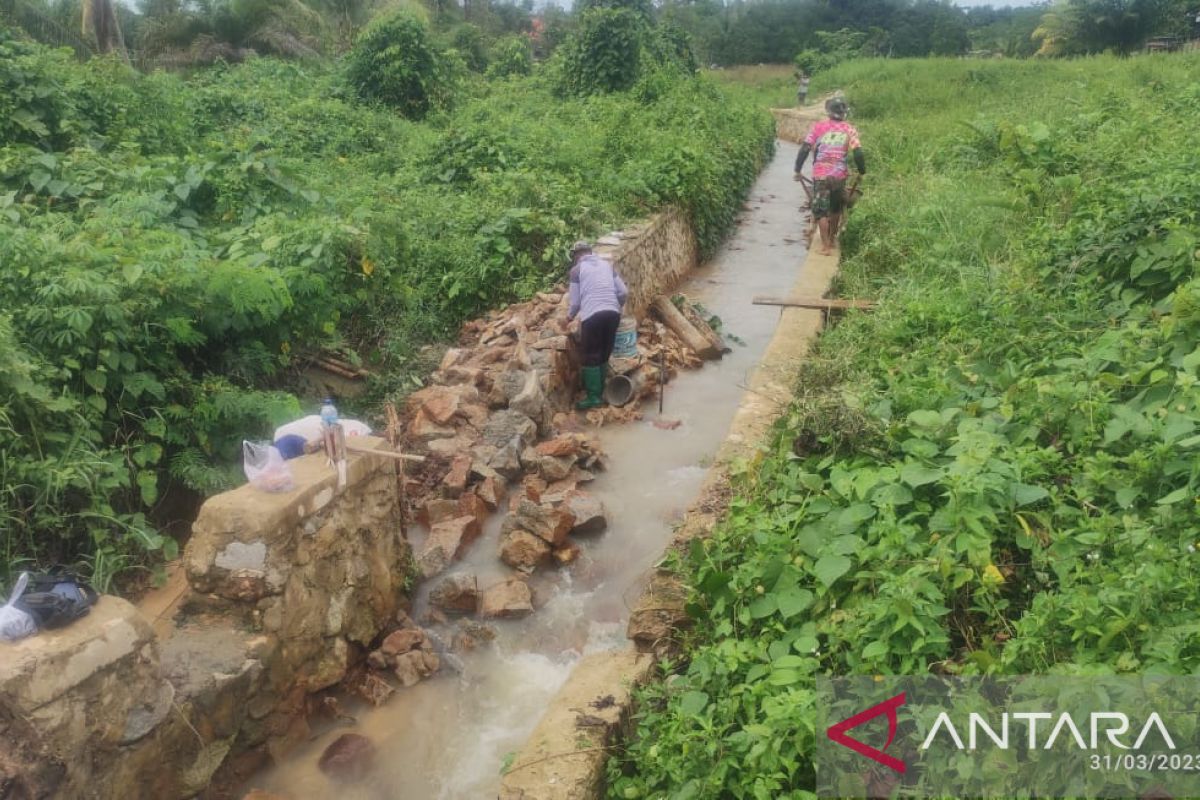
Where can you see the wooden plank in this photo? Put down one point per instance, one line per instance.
(822, 303)
(371, 451)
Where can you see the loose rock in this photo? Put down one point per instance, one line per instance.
(348, 758)
(588, 511)
(437, 510)
(424, 429)
(507, 424)
(567, 554)
(439, 403)
(546, 522)
(456, 594)
(522, 550)
(531, 400)
(507, 460)
(456, 478)
(404, 640)
(470, 505)
(491, 492)
(446, 543)
(510, 599)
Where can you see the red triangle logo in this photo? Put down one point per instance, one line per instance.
(837, 732)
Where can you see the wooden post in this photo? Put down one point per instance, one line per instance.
(393, 436)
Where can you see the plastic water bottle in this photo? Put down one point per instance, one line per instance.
(329, 414)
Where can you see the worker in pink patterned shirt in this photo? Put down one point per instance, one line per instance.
(833, 142)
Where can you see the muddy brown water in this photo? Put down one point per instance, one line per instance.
(448, 737)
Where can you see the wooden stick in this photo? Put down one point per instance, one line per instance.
(822, 303)
(678, 323)
(371, 451)
(393, 437)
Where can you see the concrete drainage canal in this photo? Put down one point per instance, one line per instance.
(448, 737)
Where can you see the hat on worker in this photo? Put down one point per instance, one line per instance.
(580, 246)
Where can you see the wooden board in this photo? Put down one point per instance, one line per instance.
(822, 303)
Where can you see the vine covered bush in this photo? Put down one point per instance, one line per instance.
(172, 251)
(393, 62)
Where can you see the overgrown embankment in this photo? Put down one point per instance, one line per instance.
(995, 472)
(172, 249)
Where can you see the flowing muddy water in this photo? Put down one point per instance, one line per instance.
(447, 738)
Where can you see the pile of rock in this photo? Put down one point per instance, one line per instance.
(495, 423)
(407, 652)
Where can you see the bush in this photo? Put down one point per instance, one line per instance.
(172, 251)
(511, 56)
(605, 54)
(394, 63)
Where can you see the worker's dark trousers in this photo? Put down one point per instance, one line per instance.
(597, 334)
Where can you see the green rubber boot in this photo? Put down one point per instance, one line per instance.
(593, 385)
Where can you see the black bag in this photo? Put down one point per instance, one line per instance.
(56, 598)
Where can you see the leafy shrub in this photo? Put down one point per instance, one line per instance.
(394, 63)
(511, 56)
(605, 54)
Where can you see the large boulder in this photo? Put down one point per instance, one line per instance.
(456, 594)
(446, 543)
(546, 522)
(509, 599)
(504, 425)
(522, 550)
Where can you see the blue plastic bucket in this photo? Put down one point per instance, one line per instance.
(625, 345)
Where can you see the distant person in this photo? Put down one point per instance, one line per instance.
(832, 142)
(596, 295)
(802, 90)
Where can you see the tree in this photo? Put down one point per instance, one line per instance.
(100, 25)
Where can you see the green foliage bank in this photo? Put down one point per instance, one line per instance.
(171, 250)
(996, 472)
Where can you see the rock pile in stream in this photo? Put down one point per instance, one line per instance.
(495, 422)
(497, 431)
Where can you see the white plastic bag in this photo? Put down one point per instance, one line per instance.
(15, 623)
(266, 468)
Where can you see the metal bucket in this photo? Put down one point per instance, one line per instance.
(625, 344)
(620, 389)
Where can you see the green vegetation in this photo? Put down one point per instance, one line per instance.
(996, 472)
(172, 249)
